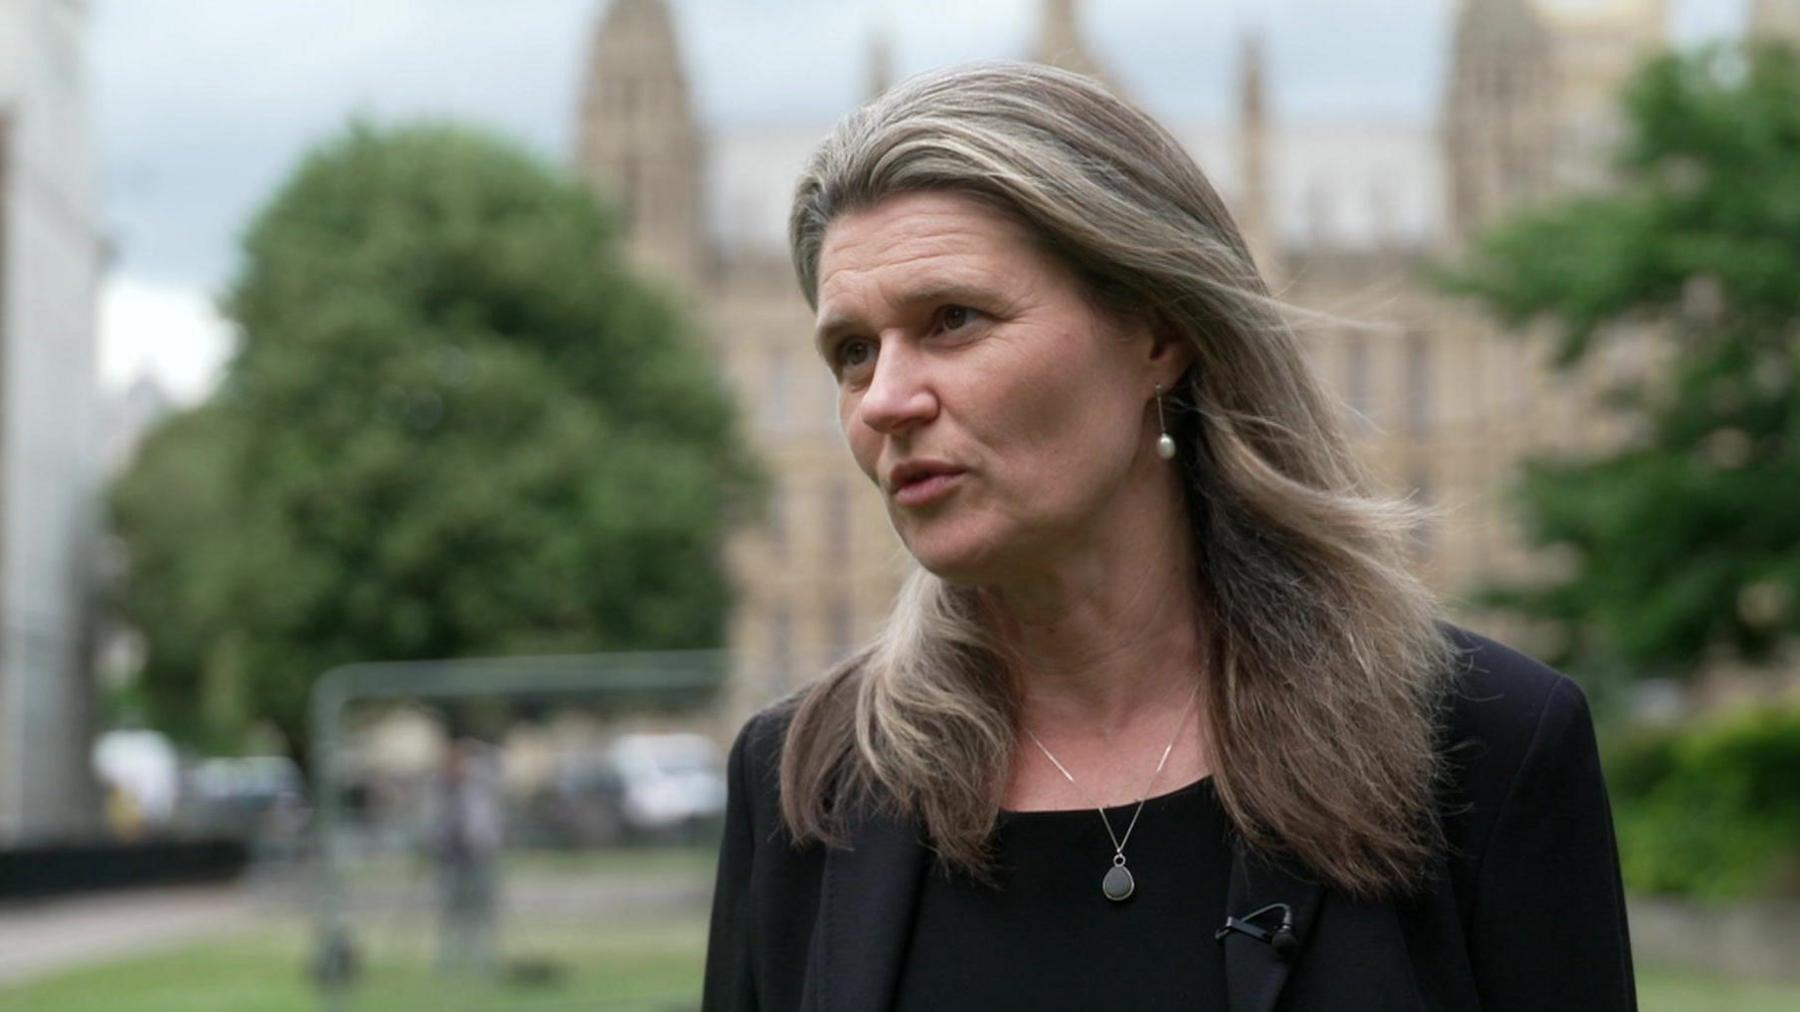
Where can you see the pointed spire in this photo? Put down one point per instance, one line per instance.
(1498, 122)
(1253, 213)
(1594, 48)
(881, 63)
(638, 144)
(1059, 41)
(1775, 19)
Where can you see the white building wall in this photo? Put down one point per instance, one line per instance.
(48, 477)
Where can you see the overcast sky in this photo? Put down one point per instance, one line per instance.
(203, 106)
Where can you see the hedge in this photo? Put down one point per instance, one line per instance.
(1711, 810)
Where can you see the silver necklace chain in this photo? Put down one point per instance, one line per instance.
(1118, 841)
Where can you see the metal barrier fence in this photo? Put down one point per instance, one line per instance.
(529, 833)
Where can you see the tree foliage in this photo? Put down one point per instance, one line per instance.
(455, 425)
(1685, 540)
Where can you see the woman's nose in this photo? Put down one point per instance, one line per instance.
(897, 397)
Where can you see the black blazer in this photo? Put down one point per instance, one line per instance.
(1527, 910)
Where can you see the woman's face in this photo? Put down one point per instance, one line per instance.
(1007, 422)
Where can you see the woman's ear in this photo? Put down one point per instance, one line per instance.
(1172, 355)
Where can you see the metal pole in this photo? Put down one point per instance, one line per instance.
(334, 962)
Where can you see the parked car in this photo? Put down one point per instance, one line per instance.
(240, 796)
(644, 787)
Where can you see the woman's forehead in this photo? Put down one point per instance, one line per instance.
(931, 238)
(931, 218)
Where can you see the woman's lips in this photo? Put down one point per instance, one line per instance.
(927, 490)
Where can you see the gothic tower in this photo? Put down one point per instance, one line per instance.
(1254, 216)
(881, 65)
(1598, 46)
(1775, 19)
(1498, 128)
(638, 142)
(1059, 42)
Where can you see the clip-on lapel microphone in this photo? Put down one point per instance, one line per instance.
(1281, 939)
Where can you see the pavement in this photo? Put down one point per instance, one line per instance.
(44, 937)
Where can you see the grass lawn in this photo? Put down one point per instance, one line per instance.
(636, 864)
(639, 962)
(648, 961)
(650, 965)
(675, 861)
(1663, 989)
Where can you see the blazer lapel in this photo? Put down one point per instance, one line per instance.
(866, 903)
(1254, 973)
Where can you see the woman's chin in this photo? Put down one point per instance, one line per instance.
(954, 560)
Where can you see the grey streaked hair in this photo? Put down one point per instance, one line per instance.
(1326, 662)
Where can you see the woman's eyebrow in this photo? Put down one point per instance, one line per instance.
(926, 294)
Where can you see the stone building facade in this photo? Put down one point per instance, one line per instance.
(50, 260)
(1340, 213)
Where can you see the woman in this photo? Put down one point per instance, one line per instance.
(1161, 720)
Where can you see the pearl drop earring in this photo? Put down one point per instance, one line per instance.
(1165, 443)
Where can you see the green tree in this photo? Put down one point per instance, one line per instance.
(455, 425)
(1685, 540)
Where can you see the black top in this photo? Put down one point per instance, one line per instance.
(1048, 916)
(1523, 908)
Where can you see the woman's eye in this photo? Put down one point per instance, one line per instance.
(956, 317)
(854, 354)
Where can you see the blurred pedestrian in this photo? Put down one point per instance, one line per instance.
(467, 839)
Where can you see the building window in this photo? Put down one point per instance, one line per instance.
(837, 516)
(843, 625)
(1425, 534)
(781, 647)
(628, 194)
(829, 420)
(778, 519)
(1357, 390)
(776, 395)
(1418, 383)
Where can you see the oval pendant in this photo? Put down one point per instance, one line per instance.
(1118, 884)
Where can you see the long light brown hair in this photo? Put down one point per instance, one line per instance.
(1325, 661)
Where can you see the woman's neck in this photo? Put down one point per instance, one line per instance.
(1105, 637)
